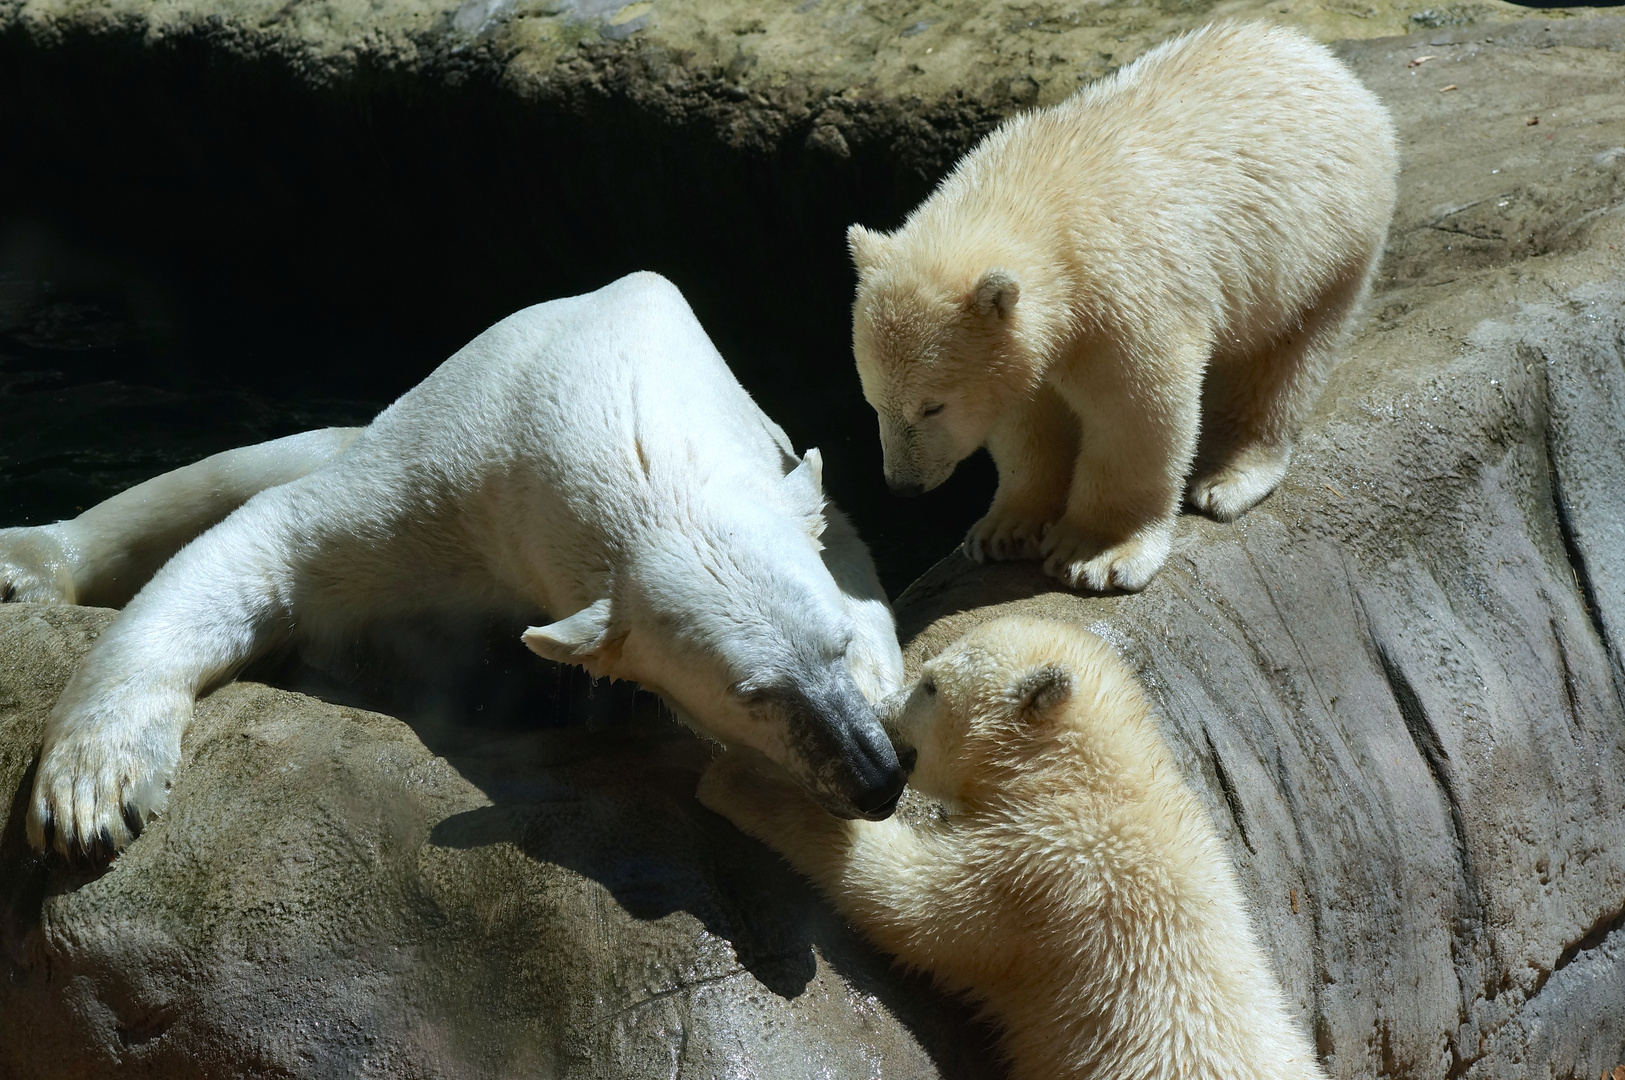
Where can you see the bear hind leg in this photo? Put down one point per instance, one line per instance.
(105, 555)
(1253, 405)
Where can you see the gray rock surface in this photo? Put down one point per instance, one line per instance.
(1399, 683)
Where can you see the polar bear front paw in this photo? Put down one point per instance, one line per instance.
(102, 777)
(35, 567)
(1233, 489)
(1005, 535)
(1077, 559)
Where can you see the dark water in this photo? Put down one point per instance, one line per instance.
(87, 408)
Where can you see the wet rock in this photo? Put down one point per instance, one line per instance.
(335, 893)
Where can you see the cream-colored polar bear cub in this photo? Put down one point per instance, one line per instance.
(1215, 209)
(1076, 887)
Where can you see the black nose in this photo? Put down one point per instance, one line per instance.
(878, 801)
(907, 491)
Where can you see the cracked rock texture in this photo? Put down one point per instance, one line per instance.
(1399, 683)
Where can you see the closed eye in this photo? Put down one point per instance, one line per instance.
(931, 410)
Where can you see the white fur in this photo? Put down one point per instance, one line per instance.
(1077, 889)
(1213, 212)
(591, 459)
(104, 556)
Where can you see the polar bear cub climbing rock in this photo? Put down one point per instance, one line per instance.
(1071, 846)
(589, 459)
(1178, 247)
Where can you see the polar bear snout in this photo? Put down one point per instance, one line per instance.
(914, 460)
(841, 754)
(877, 775)
(910, 476)
(879, 797)
(907, 758)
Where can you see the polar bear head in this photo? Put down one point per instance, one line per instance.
(942, 352)
(1016, 705)
(735, 620)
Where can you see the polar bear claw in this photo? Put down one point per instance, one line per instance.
(1232, 490)
(104, 773)
(1002, 536)
(1075, 558)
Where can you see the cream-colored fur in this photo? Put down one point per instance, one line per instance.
(1213, 212)
(1076, 887)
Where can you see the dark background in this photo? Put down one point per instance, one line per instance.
(198, 253)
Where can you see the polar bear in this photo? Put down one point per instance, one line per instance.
(589, 459)
(1075, 887)
(1213, 211)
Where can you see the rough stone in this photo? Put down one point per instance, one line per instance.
(930, 75)
(1398, 683)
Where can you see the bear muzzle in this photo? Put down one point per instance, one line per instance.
(846, 759)
(875, 777)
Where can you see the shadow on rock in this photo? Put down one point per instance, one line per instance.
(592, 776)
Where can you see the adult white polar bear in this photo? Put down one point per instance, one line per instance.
(591, 458)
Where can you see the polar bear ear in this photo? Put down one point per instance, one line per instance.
(810, 472)
(583, 638)
(1039, 692)
(996, 293)
(807, 482)
(864, 244)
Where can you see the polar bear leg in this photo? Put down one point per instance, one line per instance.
(113, 741)
(311, 563)
(1138, 419)
(1256, 403)
(896, 882)
(105, 555)
(1034, 447)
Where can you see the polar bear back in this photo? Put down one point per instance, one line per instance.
(560, 438)
(1244, 162)
(578, 388)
